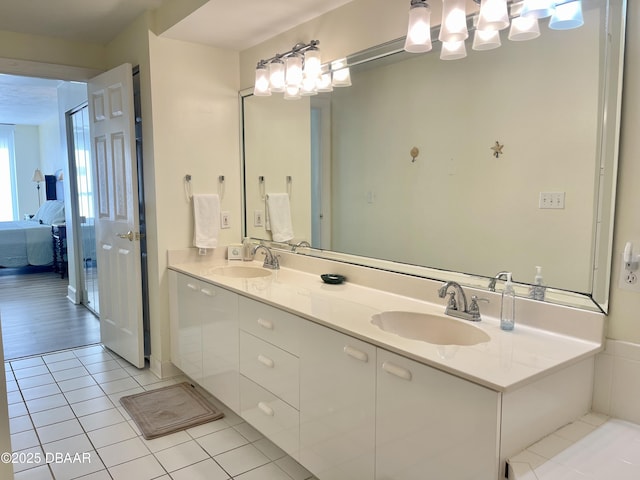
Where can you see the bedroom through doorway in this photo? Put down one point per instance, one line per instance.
(38, 309)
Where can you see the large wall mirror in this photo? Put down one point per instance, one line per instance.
(459, 209)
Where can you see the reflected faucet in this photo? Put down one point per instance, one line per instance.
(270, 260)
(499, 276)
(470, 312)
(302, 243)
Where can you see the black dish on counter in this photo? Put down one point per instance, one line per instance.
(333, 278)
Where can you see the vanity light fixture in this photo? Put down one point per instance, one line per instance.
(494, 15)
(299, 72)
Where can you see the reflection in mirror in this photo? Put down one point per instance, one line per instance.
(516, 163)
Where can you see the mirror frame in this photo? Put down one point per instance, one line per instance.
(609, 135)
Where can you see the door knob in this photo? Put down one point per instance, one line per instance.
(131, 236)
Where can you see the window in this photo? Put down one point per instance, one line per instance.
(8, 199)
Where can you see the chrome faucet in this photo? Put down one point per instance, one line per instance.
(270, 260)
(499, 276)
(464, 311)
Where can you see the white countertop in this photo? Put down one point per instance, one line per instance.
(508, 361)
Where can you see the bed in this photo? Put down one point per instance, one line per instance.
(28, 242)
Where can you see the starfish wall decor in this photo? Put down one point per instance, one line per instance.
(497, 149)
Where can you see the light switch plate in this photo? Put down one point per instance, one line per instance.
(551, 200)
(258, 218)
(225, 220)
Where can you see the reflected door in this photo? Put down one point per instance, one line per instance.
(80, 149)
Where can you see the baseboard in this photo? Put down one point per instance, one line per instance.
(163, 369)
(72, 295)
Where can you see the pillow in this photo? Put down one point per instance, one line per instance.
(51, 211)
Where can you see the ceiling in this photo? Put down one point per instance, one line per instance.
(230, 24)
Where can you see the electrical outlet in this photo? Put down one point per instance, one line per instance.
(258, 218)
(551, 200)
(628, 279)
(225, 220)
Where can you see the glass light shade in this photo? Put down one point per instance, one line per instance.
(312, 63)
(292, 92)
(276, 76)
(309, 86)
(486, 40)
(453, 50)
(454, 21)
(293, 67)
(419, 30)
(494, 15)
(567, 16)
(524, 28)
(324, 83)
(261, 85)
(341, 74)
(537, 8)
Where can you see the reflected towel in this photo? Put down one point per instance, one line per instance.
(278, 219)
(206, 215)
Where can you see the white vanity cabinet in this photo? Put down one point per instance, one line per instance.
(430, 424)
(269, 368)
(204, 340)
(337, 404)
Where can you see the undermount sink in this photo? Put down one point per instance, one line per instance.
(429, 328)
(241, 272)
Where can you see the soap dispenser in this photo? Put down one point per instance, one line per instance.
(247, 249)
(537, 290)
(508, 307)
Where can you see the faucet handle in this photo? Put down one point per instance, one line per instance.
(474, 308)
(451, 303)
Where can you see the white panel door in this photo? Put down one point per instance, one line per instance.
(117, 220)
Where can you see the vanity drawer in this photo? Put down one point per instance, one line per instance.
(275, 419)
(270, 367)
(270, 324)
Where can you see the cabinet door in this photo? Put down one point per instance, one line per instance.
(220, 344)
(337, 409)
(430, 424)
(189, 323)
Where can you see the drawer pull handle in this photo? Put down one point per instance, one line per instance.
(266, 409)
(268, 324)
(192, 286)
(266, 361)
(355, 353)
(207, 292)
(397, 371)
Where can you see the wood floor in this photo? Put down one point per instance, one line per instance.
(38, 318)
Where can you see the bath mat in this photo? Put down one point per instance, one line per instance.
(169, 409)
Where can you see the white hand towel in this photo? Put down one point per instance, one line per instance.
(278, 219)
(206, 215)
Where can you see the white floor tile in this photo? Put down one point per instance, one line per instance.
(58, 357)
(293, 468)
(118, 386)
(97, 357)
(31, 371)
(54, 415)
(26, 363)
(62, 375)
(17, 409)
(46, 403)
(241, 460)
(72, 445)
(34, 453)
(99, 475)
(12, 386)
(181, 456)
(92, 405)
(24, 440)
(87, 351)
(207, 428)
(110, 375)
(41, 391)
(167, 441)
(147, 378)
(269, 448)
(82, 394)
(58, 431)
(111, 434)
(248, 432)
(205, 470)
(64, 365)
(76, 383)
(89, 462)
(102, 366)
(222, 441)
(270, 471)
(123, 452)
(38, 473)
(101, 419)
(36, 381)
(143, 468)
(20, 424)
(14, 397)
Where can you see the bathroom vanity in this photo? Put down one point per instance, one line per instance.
(303, 363)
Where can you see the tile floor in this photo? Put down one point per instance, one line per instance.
(594, 447)
(64, 410)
